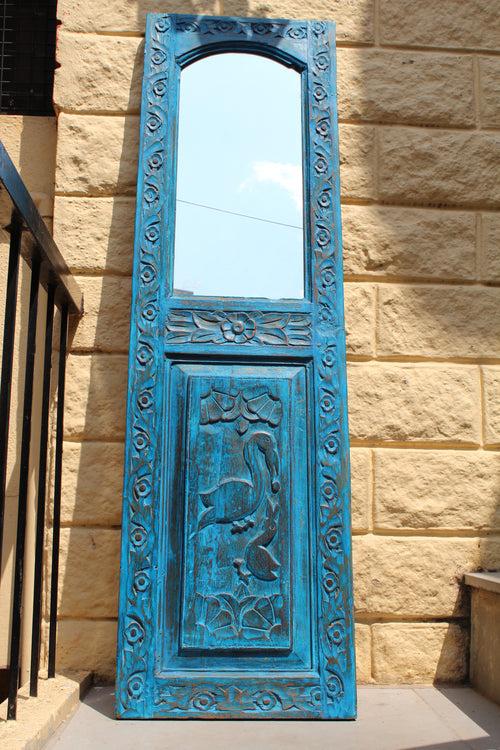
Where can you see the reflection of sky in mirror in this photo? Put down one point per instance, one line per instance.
(240, 152)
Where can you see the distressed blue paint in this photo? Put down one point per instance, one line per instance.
(268, 630)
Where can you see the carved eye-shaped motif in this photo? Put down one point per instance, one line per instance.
(142, 487)
(145, 400)
(336, 632)
(297, 32)
(315, 696)
(318, 28)
(328, 491)
(323, 127)
(329, 357)
(155, 161)
(144, 355)
(333, 537)
(321, 165)
(328, 274)
(158, 57)
(162, 25)
(334, 687)
(150, 312)
(327, 402)
(153, 122)
(331, 443)
(152, 232)
(322, 61)
(262, 28)
(134, 632)
(330, 582)
(135, 685)
(151, 194)
(319, 92)
(265, 700)
(138, 536)
(203, 700)
(148, 273)
(141, 580)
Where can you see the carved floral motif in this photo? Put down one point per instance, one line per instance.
(249, 617)
(184, 697)
(220, 327)
(217, 406)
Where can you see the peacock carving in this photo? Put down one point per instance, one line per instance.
(234, 500)
(259, 561)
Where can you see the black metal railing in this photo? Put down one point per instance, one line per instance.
(48, 269)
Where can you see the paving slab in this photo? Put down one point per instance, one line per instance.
(398, 718)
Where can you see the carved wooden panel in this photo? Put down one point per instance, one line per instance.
(243, 491)
(236, 552)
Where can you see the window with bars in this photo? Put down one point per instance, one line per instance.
(27, 56)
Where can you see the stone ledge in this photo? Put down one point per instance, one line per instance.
(38, 718)
(484, 581)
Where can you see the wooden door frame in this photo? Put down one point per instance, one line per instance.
(173, 41)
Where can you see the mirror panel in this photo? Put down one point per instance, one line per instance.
(239, 205)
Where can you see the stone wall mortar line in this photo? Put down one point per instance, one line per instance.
(357, 123)
(341, 44)
(400, 532)
(469, 51)
(453, 281)
(345, 201)
(416, 444)
(367, 618)
(134, 112)
(433, 532)
(356, 359)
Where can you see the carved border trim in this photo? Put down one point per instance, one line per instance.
(251, 28)
(332, 461)
(136, 622)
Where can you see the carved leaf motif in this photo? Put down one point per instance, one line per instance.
(273, 336)
(274, 319)
(217, 406)
(202, 319)
(266, 408)
(204, 337)
(224, 615)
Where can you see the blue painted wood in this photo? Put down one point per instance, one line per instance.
(235, 591)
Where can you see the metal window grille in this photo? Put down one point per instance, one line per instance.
(27, 56)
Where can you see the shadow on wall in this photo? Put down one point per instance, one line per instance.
(427, 320)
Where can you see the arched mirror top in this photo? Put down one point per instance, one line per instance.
(239, 197)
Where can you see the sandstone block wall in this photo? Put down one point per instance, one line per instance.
(420, 149)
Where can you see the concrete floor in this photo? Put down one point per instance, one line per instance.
(389, 719)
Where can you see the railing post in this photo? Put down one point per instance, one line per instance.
(56, 524)
(15, 638)
(7, 358)
(42, 488)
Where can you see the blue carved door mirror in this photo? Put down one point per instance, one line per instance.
(235, 592)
